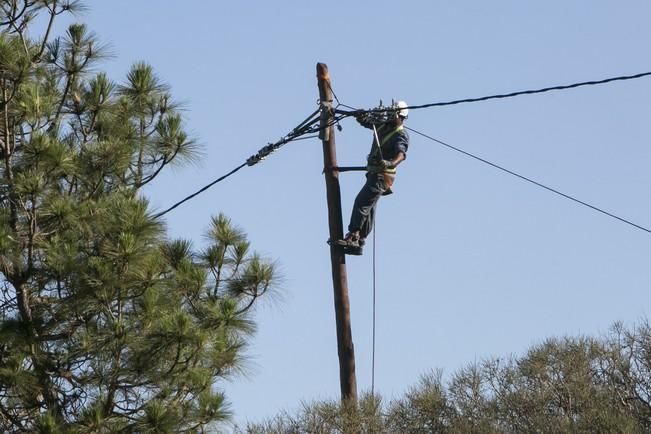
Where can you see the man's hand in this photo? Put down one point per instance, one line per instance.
(363, 118)
(386, 164)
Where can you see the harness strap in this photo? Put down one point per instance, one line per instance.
(386, 138)
(377, 169)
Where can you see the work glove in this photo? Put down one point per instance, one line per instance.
(363, 118)
(386, 164)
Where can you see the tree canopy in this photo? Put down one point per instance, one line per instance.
(566, 385)
(106, 325)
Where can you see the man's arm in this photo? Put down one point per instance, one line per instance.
(390, 164)
(364, 120)
(401, 146)
(399, 159)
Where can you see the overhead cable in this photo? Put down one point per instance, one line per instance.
(301, 132)
(198, 192)
(536, 183)
(507, 95)
(308, 127)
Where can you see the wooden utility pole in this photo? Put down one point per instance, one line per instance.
(345, 347)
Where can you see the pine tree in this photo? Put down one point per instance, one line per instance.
(106, 325)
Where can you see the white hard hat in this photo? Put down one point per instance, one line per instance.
(403, 111)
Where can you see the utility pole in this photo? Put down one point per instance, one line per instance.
(345, 346)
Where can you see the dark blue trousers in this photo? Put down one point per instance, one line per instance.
(363, 215)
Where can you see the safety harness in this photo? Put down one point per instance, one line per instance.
(372, 166)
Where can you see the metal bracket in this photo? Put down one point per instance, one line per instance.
(324, 117)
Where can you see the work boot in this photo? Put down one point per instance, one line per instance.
(354, 250)
(351, 240)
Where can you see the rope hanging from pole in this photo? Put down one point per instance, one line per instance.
(373, 350)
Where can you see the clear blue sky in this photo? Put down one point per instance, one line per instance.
(471, 262)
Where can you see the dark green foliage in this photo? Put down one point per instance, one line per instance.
(326, 417)
(570, 385)
(425, 407)
(105, 326)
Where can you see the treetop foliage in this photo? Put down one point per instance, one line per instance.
(566, 385)
(106, 324)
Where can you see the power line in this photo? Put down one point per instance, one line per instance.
(510, 172)
(305, 130)
(308, 127)
(301, 132)
(506, 95)
(201, 190)
(534, 91)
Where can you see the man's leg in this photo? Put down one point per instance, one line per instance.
(361, 219)
(362, 216)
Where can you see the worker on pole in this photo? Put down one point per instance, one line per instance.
(389, 149)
